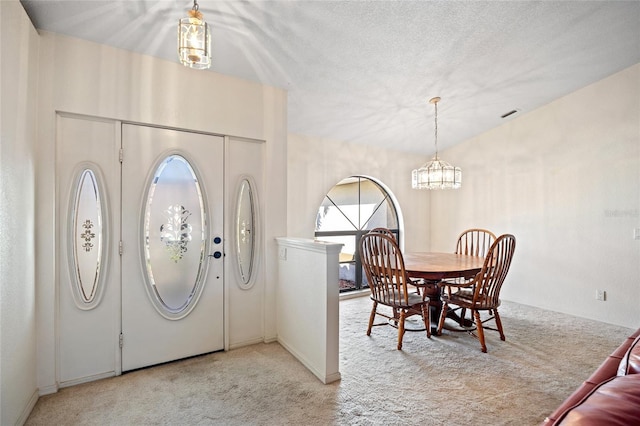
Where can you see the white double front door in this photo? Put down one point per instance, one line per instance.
(141, 246)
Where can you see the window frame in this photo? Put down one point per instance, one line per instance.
(359, 231)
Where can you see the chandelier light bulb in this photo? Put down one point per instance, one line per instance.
(194, 40)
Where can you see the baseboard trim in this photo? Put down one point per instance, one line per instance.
(87, 379)
(48, 390)
(270, 339)
(333, 378)
(28, 408)
(323, 376)
(246, 343)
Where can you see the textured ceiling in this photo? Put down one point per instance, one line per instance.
(363, 71)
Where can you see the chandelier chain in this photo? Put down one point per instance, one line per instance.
(436, 129)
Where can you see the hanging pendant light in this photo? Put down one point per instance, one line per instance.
(436, 174)
(194, 40)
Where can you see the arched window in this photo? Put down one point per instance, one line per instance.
(352, 208)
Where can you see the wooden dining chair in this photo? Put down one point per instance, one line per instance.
(383, 264)
(471, 242)
(418, 284)
(385, 231)
(484, 295)
(475, 242)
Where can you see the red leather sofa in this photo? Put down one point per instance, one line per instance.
(611, 396)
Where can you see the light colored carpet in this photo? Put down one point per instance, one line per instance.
(445, 380)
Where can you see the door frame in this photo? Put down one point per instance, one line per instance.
(114, 186)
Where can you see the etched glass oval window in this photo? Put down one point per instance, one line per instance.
(175, 237)
(245, 232)
(87, 231)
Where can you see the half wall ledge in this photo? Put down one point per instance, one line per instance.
(307, 297)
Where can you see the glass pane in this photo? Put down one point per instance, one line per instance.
(332, 218)
(175, 233)
(382, 217)
(88, 238)
(348, 249)
(370, 198)
(347, 272)
(345, 192)
(245, 231)
(339, 210)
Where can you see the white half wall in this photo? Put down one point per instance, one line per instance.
(308, 304)
(565, 180)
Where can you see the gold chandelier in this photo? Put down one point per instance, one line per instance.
(194, 40)
(436, 174)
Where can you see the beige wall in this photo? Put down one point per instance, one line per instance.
(565, 180)
(19, 46)
(316, 165)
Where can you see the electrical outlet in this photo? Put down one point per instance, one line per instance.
(601, 295)
(283, 253)
(636, 234)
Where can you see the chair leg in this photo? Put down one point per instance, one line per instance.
(401, 328)
(426, 317)
(371, 317)
(463, 313)
(480, 330)
(499, 324)
(443, 315)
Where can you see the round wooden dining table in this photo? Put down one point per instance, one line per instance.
(438, 266)
(432, 268)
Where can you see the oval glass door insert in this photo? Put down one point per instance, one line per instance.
(87, 237)
(175, 237)
(245, 232)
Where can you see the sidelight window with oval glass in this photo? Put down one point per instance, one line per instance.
(87, 237)
(246, 232)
